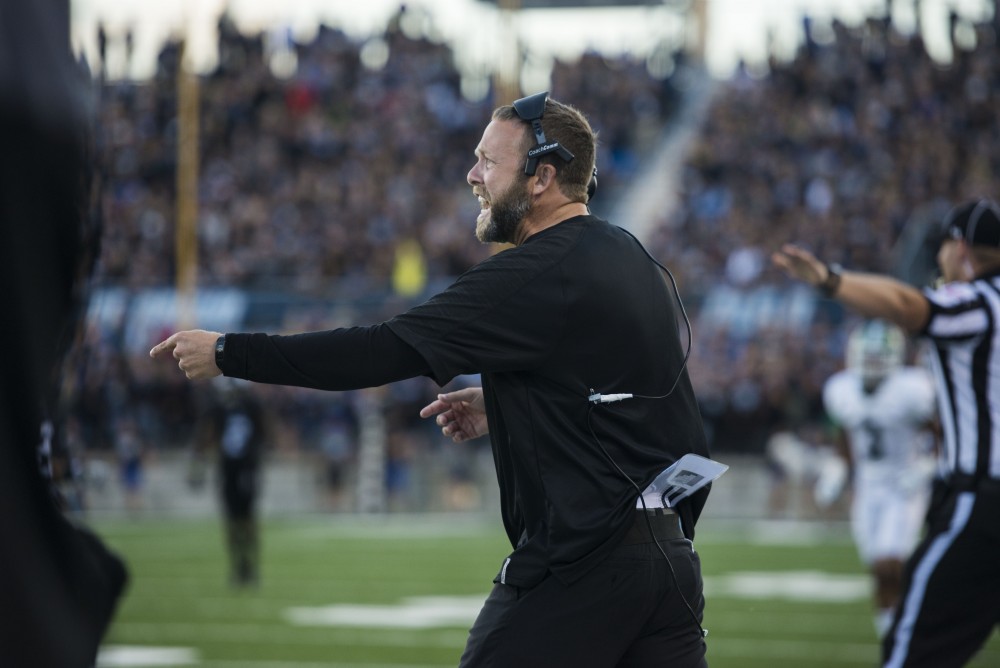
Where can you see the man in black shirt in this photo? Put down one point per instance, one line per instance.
(574, 312)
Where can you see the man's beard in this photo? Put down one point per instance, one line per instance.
(505, 215)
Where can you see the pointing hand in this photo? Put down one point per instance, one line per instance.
(194, 351)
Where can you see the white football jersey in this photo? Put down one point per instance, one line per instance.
(892, 453)
(884, 427)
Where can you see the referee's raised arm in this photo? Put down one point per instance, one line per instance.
(871, 295)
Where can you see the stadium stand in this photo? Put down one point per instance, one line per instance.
(855, 147)
(333, 196)
(313, 185)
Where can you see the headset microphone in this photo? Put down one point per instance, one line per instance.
(598, 398)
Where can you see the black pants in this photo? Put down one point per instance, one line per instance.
(239, 487)
(951, 597)
(626, 612)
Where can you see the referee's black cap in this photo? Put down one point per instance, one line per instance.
(976, 222)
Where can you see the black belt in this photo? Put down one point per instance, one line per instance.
(665, 522)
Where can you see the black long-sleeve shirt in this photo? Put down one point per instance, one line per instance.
(339, 359)
(578, 307)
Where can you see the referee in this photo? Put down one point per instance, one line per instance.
(951, 598)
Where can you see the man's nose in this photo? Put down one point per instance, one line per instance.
(474, 177)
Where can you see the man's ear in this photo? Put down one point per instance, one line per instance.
(545, 177)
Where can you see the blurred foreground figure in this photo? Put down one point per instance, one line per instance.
(58, 584)
(886, 413)
(950, 603)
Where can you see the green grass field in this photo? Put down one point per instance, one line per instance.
(381, 592)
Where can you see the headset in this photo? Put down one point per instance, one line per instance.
(531, 109)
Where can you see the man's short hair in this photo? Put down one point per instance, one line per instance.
(568, 126)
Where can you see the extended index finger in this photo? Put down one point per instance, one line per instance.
(796, 252)
(434, 407)
(165, 345)
(788, 255)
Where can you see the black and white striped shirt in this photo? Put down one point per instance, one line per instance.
(966, 367)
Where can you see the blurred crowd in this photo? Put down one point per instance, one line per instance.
(341, 178)
(315, 179)
(854, 148)
(345, 177)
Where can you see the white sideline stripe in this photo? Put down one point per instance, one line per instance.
(120, 656)
(270, 634)
(129, 656)
(307, 664)
(134, 656)
(805, 585)
(410, 613)
(803, 651)
(461, 611)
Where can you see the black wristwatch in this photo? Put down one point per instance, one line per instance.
(220, 351)
(828, 288)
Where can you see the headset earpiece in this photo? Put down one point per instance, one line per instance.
(531, 109)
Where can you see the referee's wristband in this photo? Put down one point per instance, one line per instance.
(829, 287)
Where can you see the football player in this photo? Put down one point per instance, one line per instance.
(886, 414)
